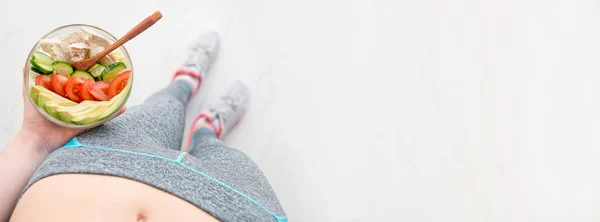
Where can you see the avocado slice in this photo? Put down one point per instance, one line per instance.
(92, 114)
(41, 101)
(68, 113)
(116, 102)
(34, 91)
(51, 109)
(86, 112)
(46, 98)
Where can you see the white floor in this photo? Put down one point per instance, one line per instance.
(380, 110)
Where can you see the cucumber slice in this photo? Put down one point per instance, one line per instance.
(62, 68)
(42, 62)
(112, 71)
(36, 70)
(97, 70)
(82, 74)
(42, 58)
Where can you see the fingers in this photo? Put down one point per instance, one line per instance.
(76, 132)
(24, 91)
(122, 111)
(25, 97)
(28, 108)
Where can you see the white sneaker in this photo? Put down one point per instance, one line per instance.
(230, 108)
(202, 52)
(225, 113)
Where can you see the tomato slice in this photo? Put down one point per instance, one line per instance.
(98, 91)
(73, 87)
(85, 90)
(43, 80)
(118, 83)
(58, 84)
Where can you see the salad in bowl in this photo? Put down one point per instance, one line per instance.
(77, 98)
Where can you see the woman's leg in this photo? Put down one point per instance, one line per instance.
(158, 123)
(226, 164)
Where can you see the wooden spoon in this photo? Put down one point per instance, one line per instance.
(142, 26)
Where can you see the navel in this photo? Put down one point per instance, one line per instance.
(141, 217)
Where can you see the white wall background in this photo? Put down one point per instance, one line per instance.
(379, 110)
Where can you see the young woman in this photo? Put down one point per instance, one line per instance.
(132, 168)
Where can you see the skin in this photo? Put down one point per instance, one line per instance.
(95, 197)
(80, 197)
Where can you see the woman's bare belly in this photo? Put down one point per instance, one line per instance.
(85, 197)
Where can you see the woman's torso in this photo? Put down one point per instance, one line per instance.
(87, 197)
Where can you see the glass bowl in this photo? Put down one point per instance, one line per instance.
(29, 81)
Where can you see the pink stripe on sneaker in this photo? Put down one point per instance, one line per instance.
(206, 117)
(192, 74)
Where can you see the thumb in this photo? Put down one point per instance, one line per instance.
(122, 111)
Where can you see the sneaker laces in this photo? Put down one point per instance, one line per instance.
(195, 62)
(226, 106)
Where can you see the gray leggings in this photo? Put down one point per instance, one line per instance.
(143, 144)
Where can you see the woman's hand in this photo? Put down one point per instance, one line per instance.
(24, 154)
(45, 134)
